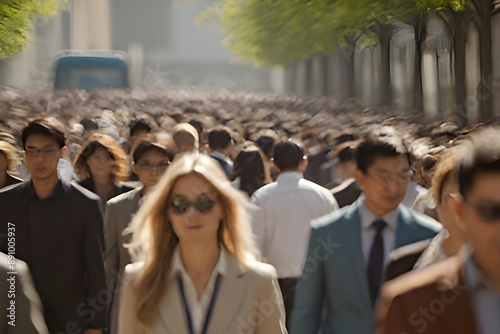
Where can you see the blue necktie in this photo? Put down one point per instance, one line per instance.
(376, 260)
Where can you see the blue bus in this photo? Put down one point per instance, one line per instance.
(90, 70)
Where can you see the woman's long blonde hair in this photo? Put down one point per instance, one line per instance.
(154, 240)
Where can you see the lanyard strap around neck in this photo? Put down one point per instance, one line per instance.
(189, 318)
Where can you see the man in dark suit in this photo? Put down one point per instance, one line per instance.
(344, 160)
(460, 294)
(349, 250)
(221, 144)
(58, 233)
(20, 308)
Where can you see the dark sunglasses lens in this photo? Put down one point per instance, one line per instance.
(489, 213)
(203, 203)
(179, 205)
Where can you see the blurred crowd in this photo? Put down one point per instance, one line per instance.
(140, 213)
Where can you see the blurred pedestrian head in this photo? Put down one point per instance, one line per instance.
(250, 168)
(289, 155)
(185, 138)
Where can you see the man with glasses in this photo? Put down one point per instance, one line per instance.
(56, 228)
(349, 250)
(460, 294)
(151, 156)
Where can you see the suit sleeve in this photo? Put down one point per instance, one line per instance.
(127, 321)
(275, 322)
(28, 307)
(392, 319)
(94, 261)
(111, 255)
(310, 291)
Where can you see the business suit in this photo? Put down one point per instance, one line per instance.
(28, 308)
(60, 238)
(440, 290)
(346, 193)
(119, 212)
(335, 271)
(249, 301)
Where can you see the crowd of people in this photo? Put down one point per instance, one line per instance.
(243, 213)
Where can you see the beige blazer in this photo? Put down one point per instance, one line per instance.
(249, 301)
(119, 212)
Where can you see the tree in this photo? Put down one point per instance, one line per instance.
(16, 20)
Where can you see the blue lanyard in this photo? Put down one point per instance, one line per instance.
(189, 319)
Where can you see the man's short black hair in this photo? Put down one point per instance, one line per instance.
(288, 155)
(481, 154)
(373, 147)
(219, 138)
(50, 127)
(139, 125)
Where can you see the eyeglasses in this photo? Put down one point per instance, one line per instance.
(180, 204)
(150, 168)
(389, 177)
(488, 212)
(44, 152)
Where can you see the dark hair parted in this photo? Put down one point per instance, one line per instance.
(160, 142)
(288, 155)
(373, 147)
(96, 140)
(219, 138)
(250, 166)
(481, 155)
(50, 127)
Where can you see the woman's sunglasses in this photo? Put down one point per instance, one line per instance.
(180, 204)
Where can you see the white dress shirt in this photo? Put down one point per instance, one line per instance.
(281, 223)
(198, 307)
(368, 232)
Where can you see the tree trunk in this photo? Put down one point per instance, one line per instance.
(460, 110)
(385, 87)
(485, 88)
(349, 53)
(420, 27)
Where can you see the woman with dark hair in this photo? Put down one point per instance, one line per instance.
(100, 165)
(250, 171)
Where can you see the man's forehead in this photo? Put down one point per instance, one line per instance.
(39, 139)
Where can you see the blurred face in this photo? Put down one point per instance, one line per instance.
(100, 163)
(150, 167)
(480, 220)
(194, 210)
(385, 183)
(42, 156)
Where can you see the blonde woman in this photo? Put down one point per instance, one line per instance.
(196, 271)
(8, 163)
(100, 165)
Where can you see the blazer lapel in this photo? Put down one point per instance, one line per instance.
(351, 242)
(171, 317)
(229, 300)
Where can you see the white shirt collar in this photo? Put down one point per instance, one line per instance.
(289, 177)
(178, 266)
(368, 217)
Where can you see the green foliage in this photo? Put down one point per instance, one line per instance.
(16, 20)
(279, 32)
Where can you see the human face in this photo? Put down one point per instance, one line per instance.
(385, 183)
(193, 226)
(42, 156)
(150, 167)
(100, 163)
(484, 236)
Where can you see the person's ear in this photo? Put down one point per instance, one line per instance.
(275, 167)
(360, 178)
(64, 152)
(134, 168)
(303, 164)
(457, 204)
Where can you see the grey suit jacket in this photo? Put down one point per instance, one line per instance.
(249, 301)
(27, 314)
(119, 212)
(335, 273)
